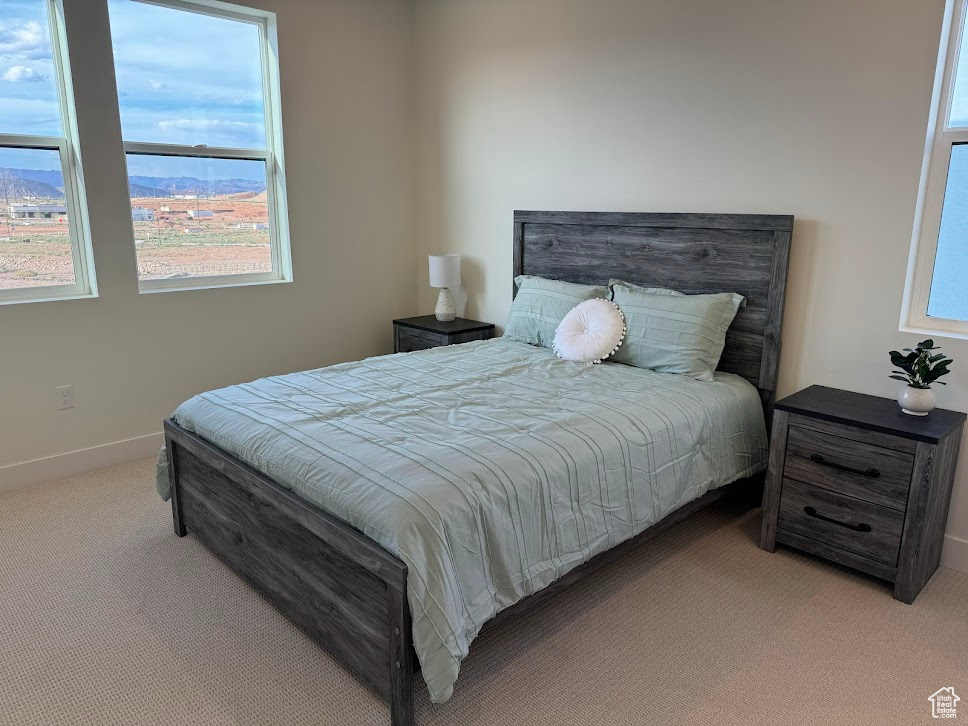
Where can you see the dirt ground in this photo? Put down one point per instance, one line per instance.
(158, 262)
(29, 263)
(36, 265)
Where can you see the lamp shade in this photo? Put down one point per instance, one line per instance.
(444, 270)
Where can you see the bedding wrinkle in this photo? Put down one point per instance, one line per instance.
(490, 468)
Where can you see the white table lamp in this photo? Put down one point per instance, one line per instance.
(445, 274)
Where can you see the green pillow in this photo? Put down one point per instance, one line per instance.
(639, 288)
(541, 304)
(670, 332)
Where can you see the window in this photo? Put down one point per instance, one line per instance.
(936, 294)
(44, 240)
(198, 93)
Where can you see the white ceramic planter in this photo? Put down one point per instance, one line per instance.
(916, 401)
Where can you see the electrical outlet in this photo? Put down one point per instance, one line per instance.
(65, 397)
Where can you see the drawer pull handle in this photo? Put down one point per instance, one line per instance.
(856, 527)
(872, 472)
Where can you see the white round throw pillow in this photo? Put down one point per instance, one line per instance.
(590, 332)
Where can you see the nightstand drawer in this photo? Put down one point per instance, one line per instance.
(845, 522)
(854, 468)
(410, 339)
(425, 331)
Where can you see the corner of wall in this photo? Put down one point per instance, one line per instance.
(955, 553)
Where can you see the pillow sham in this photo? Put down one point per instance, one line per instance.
(674, 333)
(639, 288)
(541, 304)
(590, 332)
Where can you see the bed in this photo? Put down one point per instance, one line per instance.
(396, 507)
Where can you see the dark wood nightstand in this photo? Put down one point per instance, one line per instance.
(856, 481)
(426, 331)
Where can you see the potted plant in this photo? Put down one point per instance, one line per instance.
(919, 368)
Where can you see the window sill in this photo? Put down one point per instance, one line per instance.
(948, 329)
(151, 287)
(43, 296)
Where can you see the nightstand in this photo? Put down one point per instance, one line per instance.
(426, 331)
(854, 480)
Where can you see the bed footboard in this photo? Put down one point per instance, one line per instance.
(343, 589)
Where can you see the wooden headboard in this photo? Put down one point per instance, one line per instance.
(692, 253)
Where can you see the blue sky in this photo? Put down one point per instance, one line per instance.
(28, 95)
(183, 78)
(948, 299)
(959, 101)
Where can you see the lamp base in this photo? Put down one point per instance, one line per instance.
(445, 310)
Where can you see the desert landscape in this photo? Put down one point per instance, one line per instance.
(34, 253)
(215, 235)
(232, 239)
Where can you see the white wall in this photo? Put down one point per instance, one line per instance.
(817, 109)
(347, 89)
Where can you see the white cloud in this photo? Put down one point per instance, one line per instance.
(23, 74)
(23, 41)
(205, 124)
(157, 85)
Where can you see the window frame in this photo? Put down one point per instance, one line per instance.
(933, 185)
(272, 155)
(75, 196)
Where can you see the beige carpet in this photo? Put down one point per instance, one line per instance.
(107, 618)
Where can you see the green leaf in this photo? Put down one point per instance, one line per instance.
(919, 367)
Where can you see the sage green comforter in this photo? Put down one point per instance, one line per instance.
(490, 468)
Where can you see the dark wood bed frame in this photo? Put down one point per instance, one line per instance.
(348, 592)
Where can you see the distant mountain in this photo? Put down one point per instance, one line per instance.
(192, 185)
(13, 189)
(20, 183)
(138, 190)
(54, 178)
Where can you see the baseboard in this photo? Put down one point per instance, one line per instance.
(955, 553)
(71, 463)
